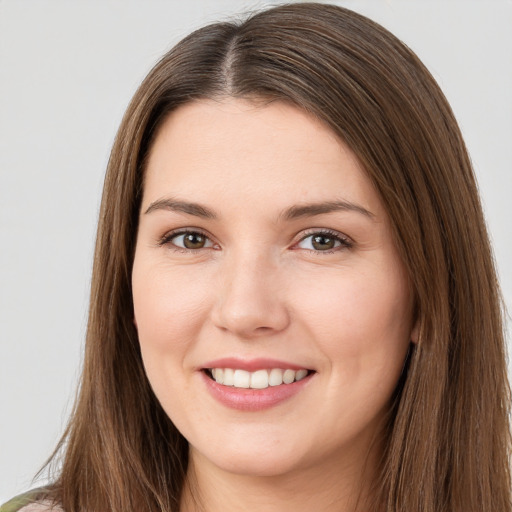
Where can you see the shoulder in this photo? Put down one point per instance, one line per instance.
(43, 506)
(30, 502)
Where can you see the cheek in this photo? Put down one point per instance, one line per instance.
(361, 321)
(169, 306)
(169, 309)
(361, 324)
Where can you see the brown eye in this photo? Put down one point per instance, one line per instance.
(190, 240)
(194, 241)
(323, 243)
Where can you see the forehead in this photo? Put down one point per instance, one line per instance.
(213, 149)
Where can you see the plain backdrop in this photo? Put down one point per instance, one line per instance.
(67, 71)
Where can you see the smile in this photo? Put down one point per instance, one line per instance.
(259, 379)
(256, 389)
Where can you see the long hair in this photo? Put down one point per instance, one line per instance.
(447, 441)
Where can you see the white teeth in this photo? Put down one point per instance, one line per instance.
(242, 379)
(228, 377)
(288, 376)
(301, 374)
(219, 375)
(275, 377)
(259, 379)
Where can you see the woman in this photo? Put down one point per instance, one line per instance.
(294, 303)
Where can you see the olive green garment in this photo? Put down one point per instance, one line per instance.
(21, 501)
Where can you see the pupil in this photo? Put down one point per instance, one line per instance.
(321, 242)
(193, 241)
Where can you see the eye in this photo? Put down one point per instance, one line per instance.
(189, 240)
(324, 241)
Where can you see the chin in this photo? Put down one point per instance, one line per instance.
(255, 461)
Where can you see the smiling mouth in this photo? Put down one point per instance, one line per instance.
(259, 379)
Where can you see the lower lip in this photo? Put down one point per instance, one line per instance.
(253, 399)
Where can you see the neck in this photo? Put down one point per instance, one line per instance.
(334, 487)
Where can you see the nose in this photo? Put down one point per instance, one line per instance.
(251, 299)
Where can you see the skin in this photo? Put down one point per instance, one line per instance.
(259, 287)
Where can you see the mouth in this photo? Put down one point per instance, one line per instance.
(254, 384)
(259, 379)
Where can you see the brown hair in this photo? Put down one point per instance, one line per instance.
(447, 446)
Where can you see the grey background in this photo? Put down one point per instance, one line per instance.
(67, 72)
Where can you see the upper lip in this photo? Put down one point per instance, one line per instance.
(252, 365)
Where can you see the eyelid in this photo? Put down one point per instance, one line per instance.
(169, 235)
(346, 241)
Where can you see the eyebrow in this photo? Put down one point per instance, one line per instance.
(182, 206)
(294, 212)
(312, 209)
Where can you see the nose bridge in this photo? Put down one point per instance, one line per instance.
(250, 300)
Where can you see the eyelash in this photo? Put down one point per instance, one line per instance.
(168, 237)
(344, 241)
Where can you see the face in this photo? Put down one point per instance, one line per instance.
(273, 312)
